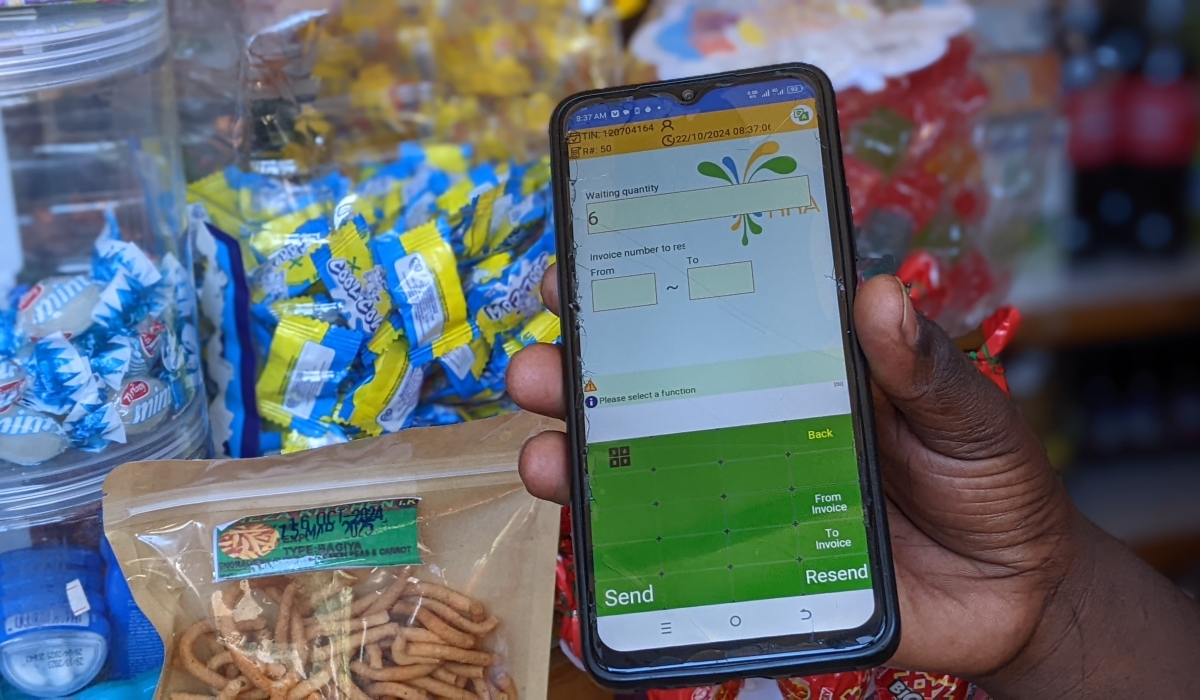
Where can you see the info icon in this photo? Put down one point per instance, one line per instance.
(591, 402)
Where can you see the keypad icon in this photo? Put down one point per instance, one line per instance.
(619, 457)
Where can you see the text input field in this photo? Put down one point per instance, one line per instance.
(698, 205)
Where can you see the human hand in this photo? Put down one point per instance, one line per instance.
(981, 528)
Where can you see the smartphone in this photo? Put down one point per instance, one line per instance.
(728, 513)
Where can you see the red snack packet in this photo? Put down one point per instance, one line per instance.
(998, 332)
(922, 273)
(849, 685)
(894, 684)
(725, 691)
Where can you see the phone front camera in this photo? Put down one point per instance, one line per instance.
(687, 94)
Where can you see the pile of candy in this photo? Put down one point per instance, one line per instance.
(93, 359)
(344, 82)
(343, 311)
(916, 188)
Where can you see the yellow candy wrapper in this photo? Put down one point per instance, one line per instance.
(352, 277)
(385, 400)
(422, 275)
(298, 386)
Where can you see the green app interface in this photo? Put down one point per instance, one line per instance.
(722, 468)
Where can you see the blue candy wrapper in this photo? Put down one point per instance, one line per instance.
(298, 389)
(505, 291)
(60, 375)
(12, 383)
(94, 422)
(423, 278)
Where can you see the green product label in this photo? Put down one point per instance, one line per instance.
(367, 534)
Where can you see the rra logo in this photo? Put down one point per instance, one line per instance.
(802, 114)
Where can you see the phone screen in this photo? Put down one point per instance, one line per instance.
(722, 470)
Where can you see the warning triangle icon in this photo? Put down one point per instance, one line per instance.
(590, 386)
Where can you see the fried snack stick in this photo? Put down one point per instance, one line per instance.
(301, 649)
(435, 624)
(219, 661)
(442, 689)
(452, 616)
(374, 655)
(388, 597)
(423, 589)
(395, 674)
(461, 681)
(444, 675)
(319, 630)
(464, 670)
(420, 634)
(187, 655)
(449, 653)
(283, 623)
(397, 690)
(308, 687)
(486, 691)
(232, 689)
(399, 644)
(191, 696)
(356, 640)
(506, 684)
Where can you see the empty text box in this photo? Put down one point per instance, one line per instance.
(725, 280)
(624, 292)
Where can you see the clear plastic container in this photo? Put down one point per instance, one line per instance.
(99, 353)
(68, 626)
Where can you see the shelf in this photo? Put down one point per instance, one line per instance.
(1107, 301)
(1150, 504)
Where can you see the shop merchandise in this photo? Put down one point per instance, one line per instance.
(362, 570)
(289, 89)
(343, 310)
(909, 103)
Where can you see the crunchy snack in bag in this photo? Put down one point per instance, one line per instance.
(409, 566)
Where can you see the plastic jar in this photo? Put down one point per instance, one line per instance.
(99, 354)
(68, 624)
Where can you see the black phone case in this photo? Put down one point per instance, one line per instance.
(788, 664)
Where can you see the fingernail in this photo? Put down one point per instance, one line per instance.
(910, 325)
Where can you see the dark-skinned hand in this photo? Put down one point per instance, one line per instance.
(985, 541)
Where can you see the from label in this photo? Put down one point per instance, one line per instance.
(367, 534)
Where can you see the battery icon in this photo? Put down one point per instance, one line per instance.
(793, 89)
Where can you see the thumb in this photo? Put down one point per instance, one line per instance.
(945, 401)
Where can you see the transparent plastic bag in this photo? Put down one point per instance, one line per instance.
(289, 89)
(322, 546)
(910, 107)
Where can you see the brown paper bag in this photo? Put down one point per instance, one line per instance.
(336, 526)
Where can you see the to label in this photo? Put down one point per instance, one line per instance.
(416, 279)
(367, 534)
(308, 378)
